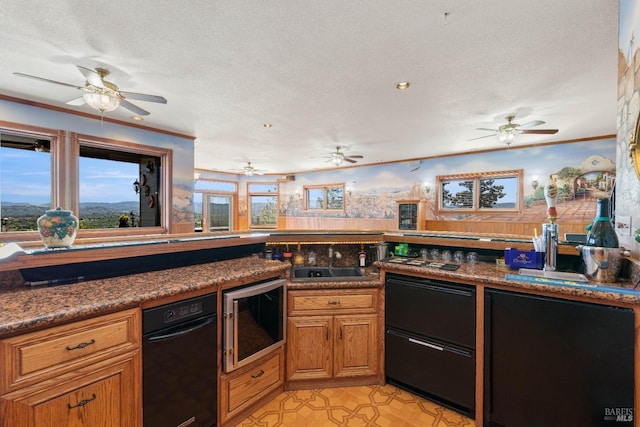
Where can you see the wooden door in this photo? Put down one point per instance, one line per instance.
(355, 345)
(310, 347)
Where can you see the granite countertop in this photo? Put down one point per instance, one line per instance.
(26, 308)
(621, 292)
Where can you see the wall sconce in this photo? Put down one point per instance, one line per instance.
(42, 146)
(136, 186)
(349, 190)
(298, 194)
(534, 183)
(427, 187)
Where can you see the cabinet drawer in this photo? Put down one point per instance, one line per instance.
(242, 388)
(431, 308)
(331, 301)
(43, 354)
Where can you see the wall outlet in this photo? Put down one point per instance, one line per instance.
(623, 225)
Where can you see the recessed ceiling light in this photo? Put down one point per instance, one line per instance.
(402, 85)
(137, 118)
(267, 125)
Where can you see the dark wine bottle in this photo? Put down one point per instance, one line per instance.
(602, 234)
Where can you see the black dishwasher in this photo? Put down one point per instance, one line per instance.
(179, 351)
(430, 339)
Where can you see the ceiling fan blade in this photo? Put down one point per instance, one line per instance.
(487, 129)
(48, 81)
(77, 101)
(143, 97)
(531, 124)
(541, 131)
(347, 159)
(480, 137)
(131, 107)
(91, 76)
(357, 156)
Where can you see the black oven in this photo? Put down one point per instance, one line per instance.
(254, 321)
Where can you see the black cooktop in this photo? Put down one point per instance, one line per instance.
(420, 263)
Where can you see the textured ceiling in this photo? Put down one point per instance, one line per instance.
(324, 72)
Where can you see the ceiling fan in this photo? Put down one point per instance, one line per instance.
(338, 157)
(102, 95)
(509, 132)
(249, 170)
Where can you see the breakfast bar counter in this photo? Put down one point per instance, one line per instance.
(26, 308)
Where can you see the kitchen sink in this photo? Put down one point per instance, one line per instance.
(324, 274)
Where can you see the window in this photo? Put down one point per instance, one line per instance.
(95, 178)
(120, 184)
(26, 186)
(324, 197)
(214, 204)
(263, 205)
(484, 191)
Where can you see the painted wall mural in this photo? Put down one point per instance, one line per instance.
(583, 171)
(628, 185)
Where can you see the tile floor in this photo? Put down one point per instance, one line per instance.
(367, 406)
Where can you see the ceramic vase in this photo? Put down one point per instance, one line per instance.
(58, 228)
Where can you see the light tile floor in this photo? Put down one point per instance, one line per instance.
(366, 406)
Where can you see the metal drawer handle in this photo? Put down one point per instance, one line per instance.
(426, 344)
(82, 345)
(259, 374)
(82, 402)
(333, 302)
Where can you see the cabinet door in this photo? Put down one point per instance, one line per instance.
(356, 344)
(310, 347)
(109, 397)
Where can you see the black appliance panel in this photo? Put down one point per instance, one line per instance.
(554, 362)
(179, 364)
(431, 308)
(431, 368)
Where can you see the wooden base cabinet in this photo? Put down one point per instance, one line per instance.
(326, 345)
(245, 388)
(85, 373)
(106, 397)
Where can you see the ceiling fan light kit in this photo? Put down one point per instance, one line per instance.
(101, 101)
(337, 159)
(508, 136)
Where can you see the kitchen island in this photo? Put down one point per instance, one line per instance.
(25, 310)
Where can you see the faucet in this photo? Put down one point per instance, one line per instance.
(550, 233)
(333, 253)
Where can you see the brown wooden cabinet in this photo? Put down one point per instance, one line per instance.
(245, 387)
(333, 338)
(82, 374)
